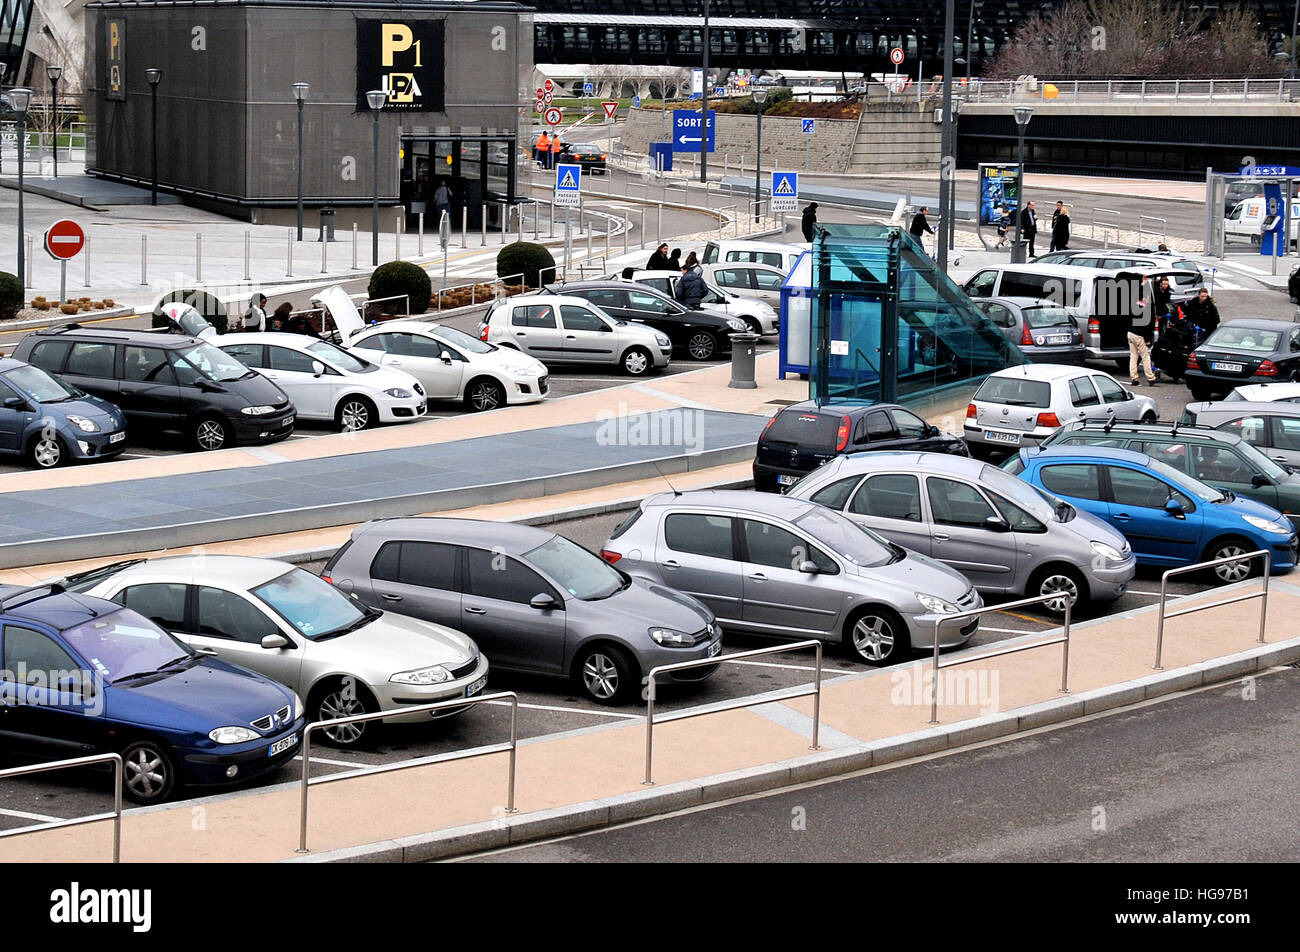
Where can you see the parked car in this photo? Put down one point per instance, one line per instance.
(564, 329)
(1008, 538)
(786, 568)
(1286, 392)
(589, 155)
(1046, 334)
(758, 317)
(700, 334)
(101, 679)
(50, 422)
(326, 382)
(1169, 518)
(533, 600)
(1271, 428)
(802, 437)
(1244, 351)
(165, 383)
(1185, 277)
(759, 281)
(1222, 459)
(1025, 405)
(293, 627)
(740, 250)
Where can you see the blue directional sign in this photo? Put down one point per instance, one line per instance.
(588, 89)
(568, 185)
(636, 102)
(686, 131)
(809, 126)
(1280, 171)
(785, 191)
(719, 90)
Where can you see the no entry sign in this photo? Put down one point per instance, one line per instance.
(64, 239)
(896, 55)
(553, 116)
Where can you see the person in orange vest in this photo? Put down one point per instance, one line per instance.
(556, 147)
(542, 149)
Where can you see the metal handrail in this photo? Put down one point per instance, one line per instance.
(815, 692)
(115, 759)
(1063, 640)
(1164, 227)
(1262, 595)
(512, 747)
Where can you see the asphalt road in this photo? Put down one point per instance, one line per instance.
(1208, 776)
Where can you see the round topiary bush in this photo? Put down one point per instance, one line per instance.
(526, 258)
(401, 277)
(11, 294)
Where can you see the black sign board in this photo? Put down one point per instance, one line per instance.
(115, 81)
(405, 58)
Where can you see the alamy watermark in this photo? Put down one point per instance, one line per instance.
(678, 427)
(914, 686)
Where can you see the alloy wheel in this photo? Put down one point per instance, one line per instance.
(48, 453)
(339, 704)
(1060, 585)
(485, 396)
(1232, 571)
(146, 772)
(355, 415)
(600, 675)
(210, 435)
(701, 346)
(873, 638)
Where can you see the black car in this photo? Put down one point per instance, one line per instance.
(590, 156)
(803, 436)
(700, 335)
(165, 383)
(1241, 352)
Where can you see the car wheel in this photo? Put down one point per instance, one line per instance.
(344, 698)
(754, 326)
(1150, 417)
(485, 394)
(877, 636)
(148, 772)
(355, 413)
(1230, 572)
(1060, 581)
(606, 674)
(702, 345)
(46, 452)
(637, 362)
(211, 433)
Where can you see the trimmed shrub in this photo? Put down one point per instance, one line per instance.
(69, 308)
(401, 277)
(528, 258)
(11, 294)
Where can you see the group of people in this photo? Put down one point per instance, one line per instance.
(1155, 315)
(547, 149)
(1006, 221)
(691, 289)
(281, 319)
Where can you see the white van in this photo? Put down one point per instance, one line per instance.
(776, 254)
(1246, 220)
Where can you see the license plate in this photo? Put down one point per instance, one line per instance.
(1059, 339)
(715, 649)
(117, 437)
(476, 687)
(787, 480)
(1226, 367)
(997, 436)
(283, 744)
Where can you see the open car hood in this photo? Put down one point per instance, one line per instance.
(345, 314)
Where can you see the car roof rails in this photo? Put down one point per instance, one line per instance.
(31, 593)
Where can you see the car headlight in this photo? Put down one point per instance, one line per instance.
(933, 603)
(232, 735)
(736, 324)
(433, 674)
(1107, 552)
(663, 341)
(81, 423)
(297, 711)
(256, 411)
(397, 393)
(671, 638)
(1268, 525)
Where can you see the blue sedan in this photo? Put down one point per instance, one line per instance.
(1169, 518)
(83, 675)
(51, 422)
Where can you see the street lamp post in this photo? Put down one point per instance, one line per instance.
(4, 68)
(1023, 115)
(970, 37)
(20, 98)
(948, 165)
(760, 98)
(950, 214)
(154, 75)
(704, 102)
(54, 72)
(375, 99)
(300, 94)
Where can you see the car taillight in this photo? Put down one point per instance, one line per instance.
(483, 333)
(610, 556)
(768, 425)
(1191, 362)
(602, 157)
(1025, 339)
(1094, 325)
(1048, 419)
(970, 411)
(1267, 369)
(328, 579)
(842, 436)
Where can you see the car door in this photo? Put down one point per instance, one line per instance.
(613, 301)
(968, 534)
(421, 579)
(1284, 433)
(293, 372)
(233, 625)
(915, 434)
(536, 329)
(890, 504)
(50, 702)
(778, 598)
(92, 366)
(654, 311)
(13, 418)
(148, 391)
(1002, 318)
(1085, 402)
(496, 613)
(1078, 483)
(1116, 401)
(1137, 509)
(696, 554)
(588, 339)
(422, 358)
(1221, 466)
(981, 284)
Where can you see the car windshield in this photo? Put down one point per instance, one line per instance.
(124, 644)
(40, 386)
(1047, 316)
(845, 537)
(1187, 484)
(1260, 461)
(213, 362)
(339, 357)
(577, 571)
(1252, 339)
(462, 340)
(1015, 391)
(312, 605)
(1018, 491)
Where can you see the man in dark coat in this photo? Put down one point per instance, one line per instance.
(1029, 227)
(691, 289)
(1202, 311)
(659, 260)
(921, 226)
(1060, 229)
(809, 221)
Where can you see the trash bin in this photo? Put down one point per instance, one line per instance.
(326, 225)
(742, 361)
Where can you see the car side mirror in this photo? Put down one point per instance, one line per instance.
(809, 567)
(1259, 479)
(934, 431)
(317, 368)
(445, 356)
(14, 403)
(1174, 508)
(542, 602)
(996, 524)
(276, 641)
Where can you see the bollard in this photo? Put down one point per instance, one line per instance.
(742, 361)
(609, 224)
(482, 237)
(248, 255)
(519, 223)
(144, 259)
(354, 246)
(198, 257)
(505, 221)
(324, 256)
(537, 221)
(589, 227)
(85, 252)
(289, 255)
(627, 226)
(28, 264)
(660, 229)
(397, 236)
(640, 244)
(551, 206)
(464, 223)
(419, 224)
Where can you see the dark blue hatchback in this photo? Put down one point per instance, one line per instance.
(51, 422)
(83, 675)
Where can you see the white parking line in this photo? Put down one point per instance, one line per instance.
(1012, 631)
(567, 710)
(1139, 591)
(334, 763)
(39, 817)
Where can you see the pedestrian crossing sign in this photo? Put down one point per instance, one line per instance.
(785, 191)
(568, 185)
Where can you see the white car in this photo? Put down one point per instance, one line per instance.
(325, 382)
(748, 279)
(1285, 392)
(452, 365)
(760, 318)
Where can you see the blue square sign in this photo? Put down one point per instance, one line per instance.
(719, 90)
(785, 191)
(686, 130)
(588, 89)
(568, 185)
(809, 125)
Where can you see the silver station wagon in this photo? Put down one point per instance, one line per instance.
(776, 566)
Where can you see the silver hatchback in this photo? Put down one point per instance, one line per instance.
(776, 566)
(1004, 535)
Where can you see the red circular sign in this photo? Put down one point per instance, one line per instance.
(64, 239)
(553, 116)
(896, 55)
(548, 85)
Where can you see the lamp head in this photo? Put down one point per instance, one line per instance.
(760, 96)
(54, 72)
(300, 91)
(154, 75)
(376, 98)
(20, 97)
(1023, 115)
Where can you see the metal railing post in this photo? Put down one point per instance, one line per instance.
(1262, 595)
(324, 257)
(144, 259)
(551, 206)
(483, 227)
(85, 251)
(464, 224)
(289, 255)
(115, 759)
(641, 231)
(354, 246)
(397, 236)
(248, 255)
(198, 256)
(419, 242)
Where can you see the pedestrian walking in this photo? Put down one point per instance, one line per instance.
(1004, 222)
(659, 260)
(1029, 227)
(809, 222)
(1141, 334)
(255, 316)
(442, 202)
(921, 226)
(1060, 228)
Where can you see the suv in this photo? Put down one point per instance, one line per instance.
(800, 438)
(564, 329)
(1220, 459)
(165, 383)
(1184, 274)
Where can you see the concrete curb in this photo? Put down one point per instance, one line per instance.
(819, 765)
